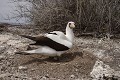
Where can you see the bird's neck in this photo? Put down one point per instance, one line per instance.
(69, 33)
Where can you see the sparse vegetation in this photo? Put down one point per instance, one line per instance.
(101, 17)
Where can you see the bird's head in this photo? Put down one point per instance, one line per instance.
(71, 24)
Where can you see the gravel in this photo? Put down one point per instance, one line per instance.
(89, 58)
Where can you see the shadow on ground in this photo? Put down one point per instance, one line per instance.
(67, 57)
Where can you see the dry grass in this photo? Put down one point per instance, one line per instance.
(99, 16)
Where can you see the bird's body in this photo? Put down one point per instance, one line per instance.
(54, 43)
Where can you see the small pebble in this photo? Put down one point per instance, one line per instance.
(11, 57)
(2, 57)
(16, 77)
(72, 76)
(33, 69)
(30, 78)
(76, 70)
(22, 67)
(43, 78)
(119, 65)
(47, 76)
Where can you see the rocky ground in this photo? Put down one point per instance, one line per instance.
(89, 59)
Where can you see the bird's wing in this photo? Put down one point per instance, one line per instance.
(58, 39)
(53, 41)
(34, 38)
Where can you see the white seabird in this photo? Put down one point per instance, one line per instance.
(54, 43)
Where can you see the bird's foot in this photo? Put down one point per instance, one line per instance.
(56, 58)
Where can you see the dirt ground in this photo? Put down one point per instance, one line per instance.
(78, 63)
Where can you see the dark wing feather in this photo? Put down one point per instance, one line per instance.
(45, 41)
(34, 38)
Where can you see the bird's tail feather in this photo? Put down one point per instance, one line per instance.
(42, 51)
(29, 37)
(35, 51)
(22, 53)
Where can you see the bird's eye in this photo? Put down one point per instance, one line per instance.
(69, 24)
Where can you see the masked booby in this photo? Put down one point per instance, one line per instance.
(53, 43)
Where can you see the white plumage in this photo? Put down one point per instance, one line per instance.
(60, 34)
(54, 43)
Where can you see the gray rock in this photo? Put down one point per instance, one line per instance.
(100, 68)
